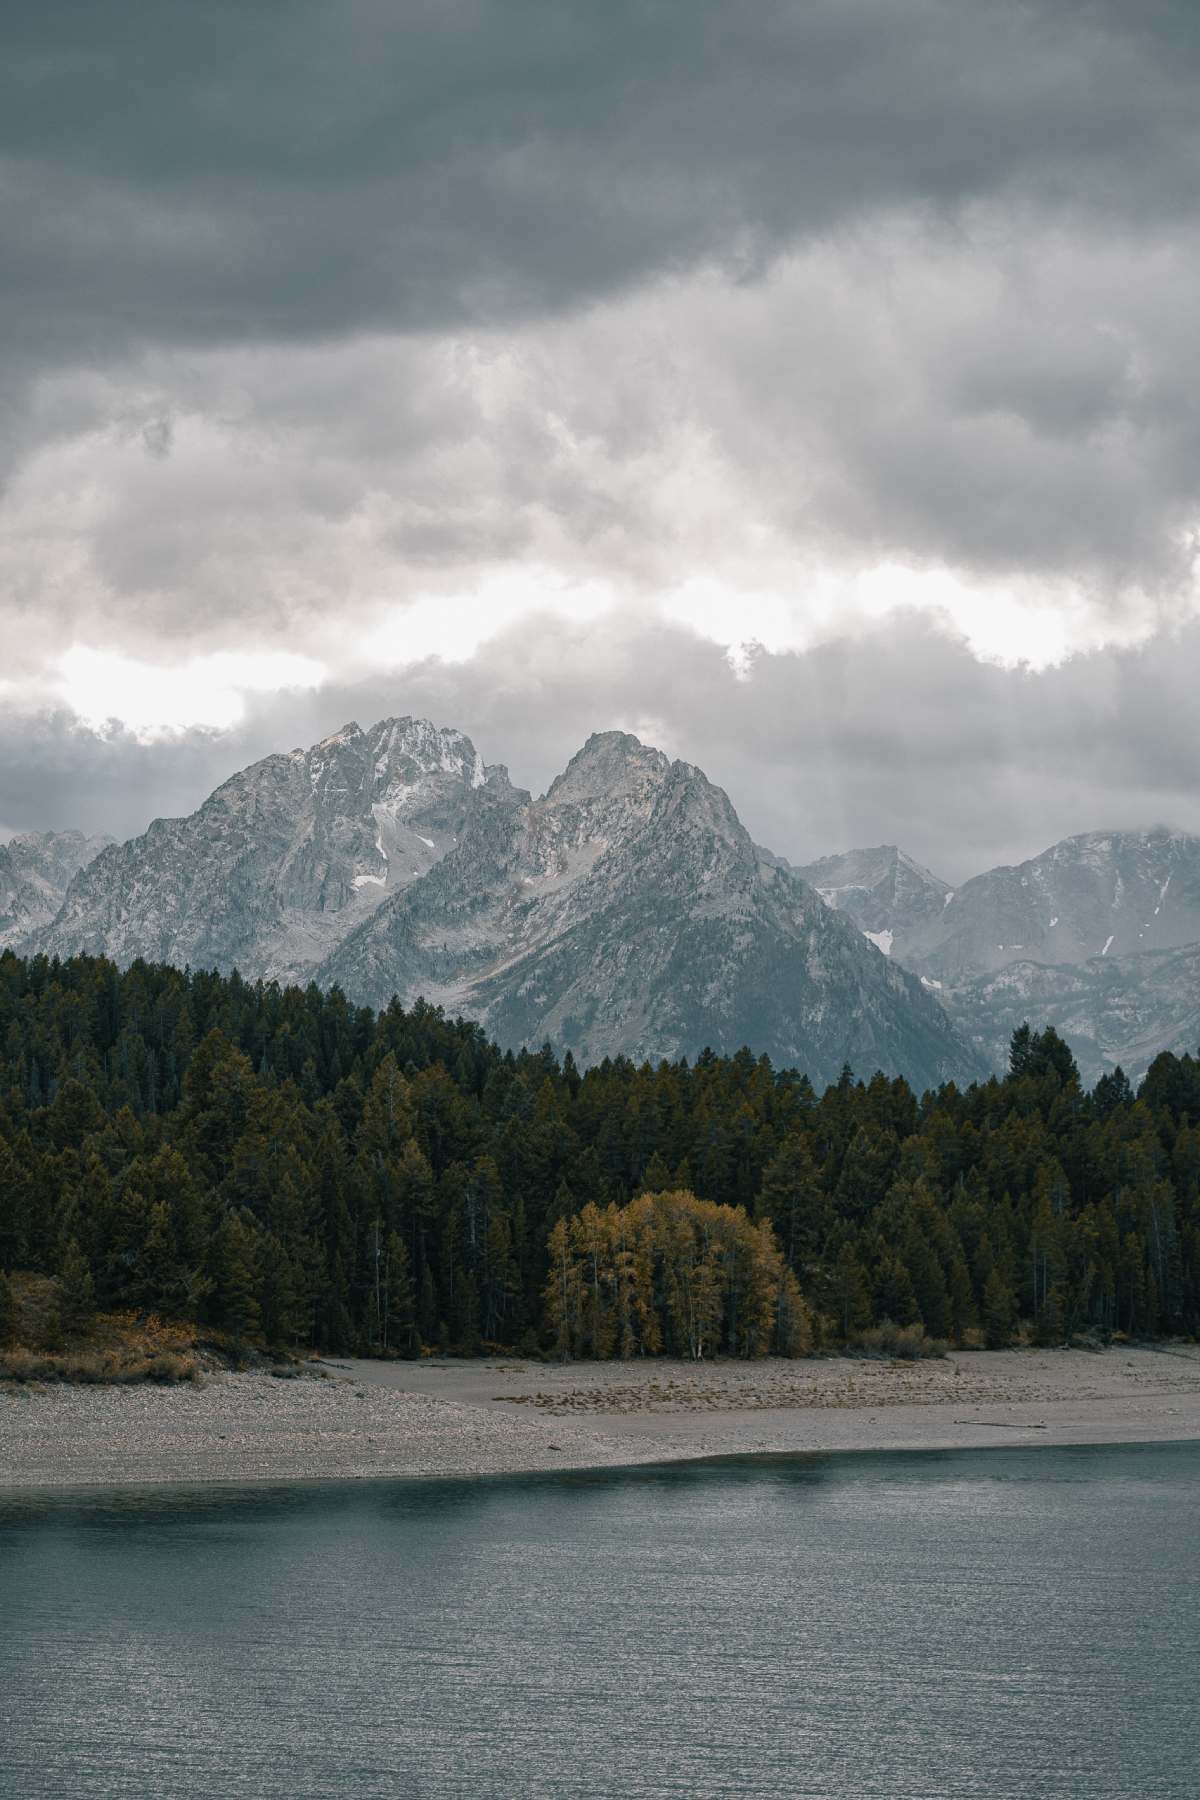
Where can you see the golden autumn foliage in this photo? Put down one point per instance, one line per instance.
(671, 1274)
(40, 1341)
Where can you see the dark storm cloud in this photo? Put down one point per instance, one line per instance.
(1030, 412)
(979, 351)
(233, 172)
(901, 737)
(311, 314)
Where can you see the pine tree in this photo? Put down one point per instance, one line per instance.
(1020, 1051)
(867, 1172)
(961, 1298)
(235, 1275)
(161, 1281)
(895, 1297)
(848, 1293)
(998, 1311)
(792, 1197)
(281, 1296)
(76, 1289)
(657, 1176)
(218, 1090)
(8, 1309)
(400, 1312)
(388, 1119)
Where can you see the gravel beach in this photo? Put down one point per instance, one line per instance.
(356, 1420)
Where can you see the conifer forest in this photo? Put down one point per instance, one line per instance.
(294, 1171)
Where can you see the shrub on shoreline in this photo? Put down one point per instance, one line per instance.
(109, 1368)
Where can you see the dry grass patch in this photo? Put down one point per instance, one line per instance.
(114, 1348)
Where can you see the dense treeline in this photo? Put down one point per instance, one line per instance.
(287, 1167)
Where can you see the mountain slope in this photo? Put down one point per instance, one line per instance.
(1098, 936)
(282, 860)
(36, 869)
(1111, 1010)
(625, 912)
(1100, 894)
(885, 892)
(628, 912)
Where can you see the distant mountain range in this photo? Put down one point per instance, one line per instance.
(627, 912)
(1098, 936)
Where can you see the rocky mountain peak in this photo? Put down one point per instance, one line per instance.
(886, 893)
(611, 766)
(626, 912)
(348, 734)
(403, 749)
(284, 858)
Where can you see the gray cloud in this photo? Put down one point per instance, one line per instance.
(900, 737)
(307, 314)
(258, 172)
(916, 274)
(1025, 411)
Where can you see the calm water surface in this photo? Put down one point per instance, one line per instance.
(1008, 1624)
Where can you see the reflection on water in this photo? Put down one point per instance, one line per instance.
(1009, 1624)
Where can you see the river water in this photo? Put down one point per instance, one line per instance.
(936, 1626)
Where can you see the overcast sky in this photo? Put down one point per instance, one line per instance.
(809, 387)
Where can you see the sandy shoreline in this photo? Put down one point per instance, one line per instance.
(358, 1420)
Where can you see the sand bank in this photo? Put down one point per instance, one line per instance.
(354, 1420)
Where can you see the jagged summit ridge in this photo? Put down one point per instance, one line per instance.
(626, 911)
(610, 765)
(281, 860)
(1097, 935)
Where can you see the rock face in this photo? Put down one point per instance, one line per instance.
(1085, 937)
(1111, 1010)
(886, 893)
(625, 912)
(1102, 894)
(284, 859)
(628, 912)
(36, 870)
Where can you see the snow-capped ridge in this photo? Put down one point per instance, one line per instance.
(625, 912)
